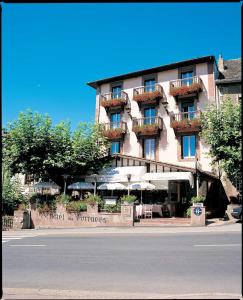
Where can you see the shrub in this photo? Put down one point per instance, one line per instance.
(45, 208)
(64, 199)
(76, 206)
(110, 208)
(198, 199)
(94, 199)
(128, 198)
(188, 212)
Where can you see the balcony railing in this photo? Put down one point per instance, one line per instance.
(148, 94)
(186, 122)
(147, 126)
(114, 99)
(185, 86)
(114, 130)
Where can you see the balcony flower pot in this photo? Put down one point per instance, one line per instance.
(147, 97)
(186, 124)
(146, 129)
(113, 133)
(113, 102)
(185, 90)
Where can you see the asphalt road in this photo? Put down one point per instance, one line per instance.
(122, 264)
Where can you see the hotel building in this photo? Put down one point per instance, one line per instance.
(152, 118)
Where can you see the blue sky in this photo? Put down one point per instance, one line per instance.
(50, 51)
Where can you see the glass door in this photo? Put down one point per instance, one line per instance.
(149, 116)
(115, 120)
(187, 78)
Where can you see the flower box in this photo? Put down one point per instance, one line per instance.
(113, 133)
(113, 102)
(185, 90)
(148, 97)
(187, 125)
(146, 129)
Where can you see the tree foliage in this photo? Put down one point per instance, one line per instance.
(221, 129)
(33, 145)
(11, 192)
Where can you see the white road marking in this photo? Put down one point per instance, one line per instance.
(10, 237)
(219, 245)
(27, 245)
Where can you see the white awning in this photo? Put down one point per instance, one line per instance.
(167, 176)
(119, 174)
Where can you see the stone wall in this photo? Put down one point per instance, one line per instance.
(91, 218)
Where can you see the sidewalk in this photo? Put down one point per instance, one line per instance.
(27, 293)
(219, 226)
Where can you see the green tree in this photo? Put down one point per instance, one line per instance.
(32, 145)
(221, 129)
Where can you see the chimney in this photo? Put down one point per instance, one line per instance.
(220, 63)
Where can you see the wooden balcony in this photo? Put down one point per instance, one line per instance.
(147, 126)
(115, 130)
(110, 100)
(185, 87)
(186, 122)
(148, 94)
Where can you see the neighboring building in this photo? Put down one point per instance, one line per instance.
(228, 83)
(152, 118)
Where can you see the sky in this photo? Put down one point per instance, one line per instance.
(51, 51)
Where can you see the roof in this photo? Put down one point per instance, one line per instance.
(97, 83)
(231, 73)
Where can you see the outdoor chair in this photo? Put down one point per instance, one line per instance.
(148, 211)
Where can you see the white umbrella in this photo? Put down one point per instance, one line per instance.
(81, 186)
(45, 186)
(141, 186)
(112, 186)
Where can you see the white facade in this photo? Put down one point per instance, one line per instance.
(167, 151)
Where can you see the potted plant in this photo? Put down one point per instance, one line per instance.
(195, 200)
(185, 90)
(128, 199)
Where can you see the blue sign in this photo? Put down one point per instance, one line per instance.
(197, 211)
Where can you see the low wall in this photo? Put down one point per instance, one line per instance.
(91, 218)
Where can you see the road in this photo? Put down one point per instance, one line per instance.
(123, 265)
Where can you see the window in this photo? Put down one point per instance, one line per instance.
(188, 146)
(116, 91)
(116, 120)
(115, 147)
(149, 115)
(188, 110)
(149, 148)
(187, 78)
(149, 85)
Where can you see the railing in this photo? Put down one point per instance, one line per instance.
(186, 115)
(115, 125)
(148, 89)
(7, 222)
(185, 82)
(148, 121)
(116, 95)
